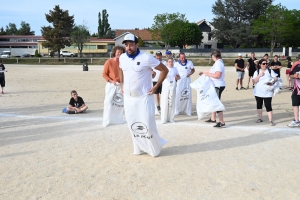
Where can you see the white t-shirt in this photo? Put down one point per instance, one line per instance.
(259, 89)
(183, 71)
(137, 73)
(218, 67)
(155, 79)
(172, 74)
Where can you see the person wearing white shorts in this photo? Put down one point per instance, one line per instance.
(240, 71)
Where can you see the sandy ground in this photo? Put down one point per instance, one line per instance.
(45, 154)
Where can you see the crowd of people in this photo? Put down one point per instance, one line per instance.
(146, 86)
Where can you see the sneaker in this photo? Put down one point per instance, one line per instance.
(237, 88)
(64, 110)
(294, 124)
(71, 112)
(213, 121)
(247, 87)
(219, 125)
(272, 123)
(242, 88)
(158, 108)
(253, 86)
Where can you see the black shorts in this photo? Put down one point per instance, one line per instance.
(295, 100)
(2, 81)
(251, 73)
(158, 91)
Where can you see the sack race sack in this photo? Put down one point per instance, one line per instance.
(207, 97)
(167, 101)
(139, 112)
(183, 102)
(113, 105)
(275, 88)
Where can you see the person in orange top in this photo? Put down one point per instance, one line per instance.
(113, 102)
(111, 66)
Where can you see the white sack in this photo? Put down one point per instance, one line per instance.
(113, 105)
(139, 112)
(275, 88)
(207, 97)
(167, 101)
(183, 102)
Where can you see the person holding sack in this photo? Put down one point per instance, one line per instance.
(139, 106)
(261, 78)
(113, 103)
(217, 75)
(183, 90)
(168, 93)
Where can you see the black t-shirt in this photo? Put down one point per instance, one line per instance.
(277, 71)
(77, 103)
(289, 65)
(252, 66)
(240, 64)
(1, 69)
(294, 71)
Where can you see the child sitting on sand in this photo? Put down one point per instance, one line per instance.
(77, 104)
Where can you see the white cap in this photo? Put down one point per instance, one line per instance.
(130, 37)
(239, 54)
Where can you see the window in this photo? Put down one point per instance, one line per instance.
(209, 36)
(4, 40)
(4, 47)
(25, 47)
(101, 46)
(207, 46)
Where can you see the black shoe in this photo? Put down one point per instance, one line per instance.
(237, 88)
(242, 88)
(71, 112)
(220, 125)
(158, 108)
(210, 121)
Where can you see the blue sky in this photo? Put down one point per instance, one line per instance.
(122, 14)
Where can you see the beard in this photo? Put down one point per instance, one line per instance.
(131, 51)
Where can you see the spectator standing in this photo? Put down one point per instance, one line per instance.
(2, 76)
(252, 67)
(240, 71)
(295, 75)
(287, 72)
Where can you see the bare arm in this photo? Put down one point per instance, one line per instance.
(192, 71)
(163, 73)
(216, 75)
(121, 79)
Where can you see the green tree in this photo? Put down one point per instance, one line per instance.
(79, 36)
(25, 29)
(141, 42)
(271, 25)
(57, 35)
(161, 20)
(291, 33)
(2, 32)
(233, 20)
(180, 33)
(103, 25)
(11, 29)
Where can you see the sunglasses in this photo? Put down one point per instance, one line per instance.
(264, 63)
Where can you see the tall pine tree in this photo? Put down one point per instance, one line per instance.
(103, 25)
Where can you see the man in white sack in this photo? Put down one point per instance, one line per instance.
(136, 78)
(183, 100)
(113, 103)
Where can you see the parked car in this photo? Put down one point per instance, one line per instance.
(5, 54)
(67, 53)
(25, 56)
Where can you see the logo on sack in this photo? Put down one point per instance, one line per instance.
(118, 98)
(185, 92)
(139, 128)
